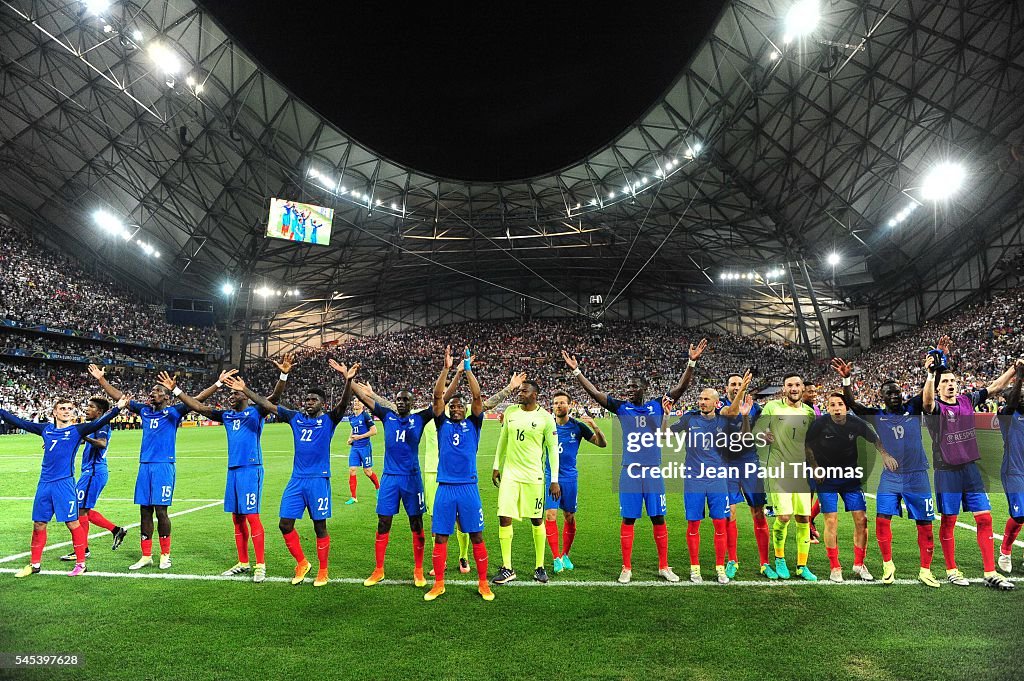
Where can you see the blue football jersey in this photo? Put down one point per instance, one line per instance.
(312, 442)
(402, 439)
(361, 424)
(1012, 426)
(755, 411)
(900, 433)
(159, 430)
(570, 436)
(59, 444)
(244, 429)
(704, 438)
(94, 457)
(639, 423)
(457, 443)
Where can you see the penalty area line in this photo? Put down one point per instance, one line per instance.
(104, 533)
(472, 583)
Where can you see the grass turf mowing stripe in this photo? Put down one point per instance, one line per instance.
(473, 582)
(104, 533)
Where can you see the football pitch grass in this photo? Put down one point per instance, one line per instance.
(581, 625)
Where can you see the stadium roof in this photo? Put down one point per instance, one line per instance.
(764, 152)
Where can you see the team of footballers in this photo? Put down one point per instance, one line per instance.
(536, 474)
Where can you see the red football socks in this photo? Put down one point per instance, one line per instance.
(256, 532)
(96, 518)
(374, 480)
(38, 542)
(1009, 536)
(858, 555)
(693, 541)
(480, 556)
(833, 557)
(165, 545)
(147, 546)
(440, 557)
(883, 533)
(948, 541)
(551, 529)
(721, 526)
(815, 509)
(294, 544)
(418, 541)
(568, 534)
(380, 547)
(626, 540)
(352, 486)
(661, 541)
(763, 537)
(323, 550)
(241, 538)
(79, 539)
(732, 538)
(985, 541)
(926, 544)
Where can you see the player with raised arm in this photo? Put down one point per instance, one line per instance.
(746, 478)
(1011, 472)
(243, 492)
(955, 458)
(898, 424)
(401, 482)
(93, 479)
(705, 488)
(360, 453)
(154, 486)
(638, 488)
(56, 495)
(571, 434)
(831, 445)
(458, 496)
(309, 488)
(527, 434)
(784, 423)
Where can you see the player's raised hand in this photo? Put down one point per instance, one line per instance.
(123, 402)
(340, 368)
(517, 380)
(235, 383)
(667, 403)
(747, 378)
(842, 368)
(448, 361)
(696, 352)
(586, 418)
(164, 379)
(496, 477)
(352, 371)
(96, 372)
(944, 344)
(285, 365)
(746, 405)
(227, 373)
(928, 362)
(570, 360)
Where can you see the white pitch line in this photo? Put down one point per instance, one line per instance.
(473, 583)
(105, 533)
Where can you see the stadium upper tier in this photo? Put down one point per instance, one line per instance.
(38, 287)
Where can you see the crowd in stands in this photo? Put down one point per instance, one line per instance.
(41, 287)
(29, 342)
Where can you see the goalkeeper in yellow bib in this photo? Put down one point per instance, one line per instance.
(785, 423)
(526, 432)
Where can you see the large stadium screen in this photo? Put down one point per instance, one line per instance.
(301, 222)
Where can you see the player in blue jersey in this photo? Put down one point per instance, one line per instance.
(243, 492)
(286, 220)
(154, 486)
(402, 482)
(309, 488)
(360, 453)
(55, 494)
(708, 434)
(638, 488)
(458, 496)
(1011, 423)
(571, 434)
(93, 478)
(898, 424)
